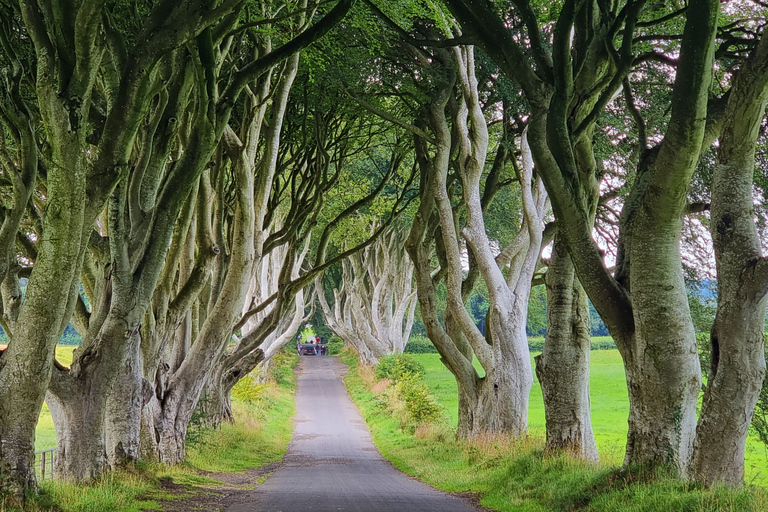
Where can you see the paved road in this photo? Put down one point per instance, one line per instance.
(333, 465)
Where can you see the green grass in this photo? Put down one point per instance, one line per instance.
(514, 475)
(260, 435)
(610, 409)
(261, 431)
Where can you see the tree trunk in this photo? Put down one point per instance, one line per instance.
(735, 380)
(26, 365)
(17, 452)
(173, 419)
(480, 405)
(215, 403)
(563, 366)
(737, 340)
(80, 400)
(123, 414)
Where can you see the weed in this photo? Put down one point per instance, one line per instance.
(419, 402)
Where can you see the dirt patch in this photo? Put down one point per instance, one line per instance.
(232, 489)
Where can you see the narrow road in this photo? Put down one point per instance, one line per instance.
(333, 465)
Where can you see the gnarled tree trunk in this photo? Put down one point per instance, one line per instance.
(374, 305)
(498, 401)
(563, 366)
(737, 340)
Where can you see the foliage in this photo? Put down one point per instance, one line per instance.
(335, 344)
(420, 405)
(69, 337)
(537, 311)
(420, 345)
(396, 366)
(281, 368)
(401, 390)
(248, 390)
(536, 344)
(759, 426)
(199, 424)
(703, 305)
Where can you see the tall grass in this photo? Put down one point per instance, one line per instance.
(514, 474)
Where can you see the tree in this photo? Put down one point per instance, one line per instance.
(737, 357)
(88, 144)
(644, 305)
(374, 304)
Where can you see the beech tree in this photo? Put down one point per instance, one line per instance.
(737, 341)
(88, 146)
(94, 95)
(374, 304)
(644, 303)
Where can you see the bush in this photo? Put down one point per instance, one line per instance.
(335, 344)
(248, 390)
(281, 368)
(536, 344)
(420, 345)
(394, 366)
(705, 351)
(598, 343)
(419, 402)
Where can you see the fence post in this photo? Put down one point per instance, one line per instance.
(42, 465)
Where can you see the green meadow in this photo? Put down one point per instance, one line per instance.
(610, 408)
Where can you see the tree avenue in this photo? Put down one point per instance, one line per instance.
(186, 183)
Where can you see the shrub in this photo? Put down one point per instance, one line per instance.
(248, 390)
(419, 402)
(420, 345)
(394, 366)
(598, 343)
(536, 344)
(702, 344)
(335, 344)
(281, 368)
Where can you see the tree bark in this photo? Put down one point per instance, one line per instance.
(78, 402)
(737, 340)
(563, 366)
(645, 306)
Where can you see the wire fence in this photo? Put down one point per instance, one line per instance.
(44, 463)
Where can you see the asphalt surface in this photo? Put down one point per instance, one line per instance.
(333, 465)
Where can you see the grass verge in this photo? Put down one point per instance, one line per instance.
(514, 474)
(259, 436)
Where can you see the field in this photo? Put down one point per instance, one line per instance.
(609, 409)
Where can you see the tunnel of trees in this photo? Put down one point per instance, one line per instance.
(186, 184)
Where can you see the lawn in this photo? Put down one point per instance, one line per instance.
(610, 408)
